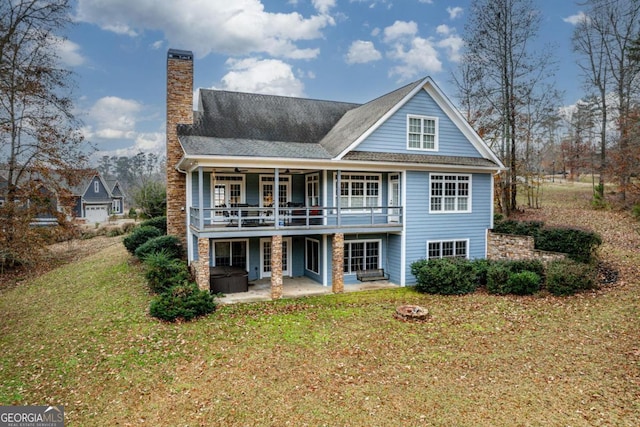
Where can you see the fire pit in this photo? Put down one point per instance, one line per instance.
(413, 313)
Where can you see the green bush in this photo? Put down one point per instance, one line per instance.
(184, 301)
(139, 236)
(566, 277)
(579, 245)
(159, 222)
(445, 276)
(521, 228)
(164, 272)
(481, 268)
(169, 244)
(520, 277)
(498, 275)
(635, 211)
(132, 213)
(523, 283)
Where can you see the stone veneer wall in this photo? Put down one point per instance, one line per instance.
(179, 111)
(515, 247)
(337, 259)
(276, 266)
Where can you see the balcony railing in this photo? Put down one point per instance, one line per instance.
(245, 216)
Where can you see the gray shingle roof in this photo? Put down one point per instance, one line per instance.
(212, 146)
(236, 115)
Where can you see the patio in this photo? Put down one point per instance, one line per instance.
(295, 287)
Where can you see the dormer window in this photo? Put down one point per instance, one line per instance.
(96, 187)
(422, 133)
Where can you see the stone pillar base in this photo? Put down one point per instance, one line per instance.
(337, 258)
(276, 267)
(201, 266)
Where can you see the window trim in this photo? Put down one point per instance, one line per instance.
(355, 209)
(222, 179)
(466, 241)
(315, 242)
(349, 242)
(436, 133)
(96, 186)
(456, 210)
(313, 181)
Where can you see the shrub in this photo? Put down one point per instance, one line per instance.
(164, 272)
(521, 228)
(579, 245)
(132, 213)
(481, 268)
(184, 301)
(127, 227)
(635, 211)
(159, 222)
(138, 237)
(498, 275)
(566, 277)
(533, 265)
(169, 244)
(523, 283)
(445, 276)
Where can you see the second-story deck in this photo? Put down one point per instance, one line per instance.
(246, 220)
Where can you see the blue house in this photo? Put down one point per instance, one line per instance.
(279, 186)
(95, 198)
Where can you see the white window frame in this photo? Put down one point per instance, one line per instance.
(365, 241)
(441, 249)
(307, 256)
(227, 180)
(347, 177)
(445, 199)
(422, 133)
(312, 190)
(96, 186)
(115, 206)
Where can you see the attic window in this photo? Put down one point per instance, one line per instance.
(422, 133)
(96, 187)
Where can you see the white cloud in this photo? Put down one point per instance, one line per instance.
(454, 12)
(237, 27)
(323, 6)
(443, 29)
(266, 76)
(157, 44)
(69, 53)
(576, 19)
(113, 118)
(417, 57)
(361, 52)
(453, 45)
(426, 1)
(400, 30)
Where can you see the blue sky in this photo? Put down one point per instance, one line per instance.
(343, 50)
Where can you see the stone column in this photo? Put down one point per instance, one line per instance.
(337, 257)
(276, 266)
(202, 265)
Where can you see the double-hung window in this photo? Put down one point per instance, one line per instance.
(312, 255)
(448, 249)
(360, 190)
(422, 133)
(450, 193)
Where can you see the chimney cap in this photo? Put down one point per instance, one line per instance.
(186, 55)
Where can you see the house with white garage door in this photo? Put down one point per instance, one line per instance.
(94, 199)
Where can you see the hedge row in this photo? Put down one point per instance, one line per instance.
(579, 245)
(177, 296)
(456, 276)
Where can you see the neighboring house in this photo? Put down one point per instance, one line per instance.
(282, 186)
(95, 198)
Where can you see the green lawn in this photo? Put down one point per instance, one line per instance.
(80, 336)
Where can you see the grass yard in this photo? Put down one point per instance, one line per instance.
(80, 336)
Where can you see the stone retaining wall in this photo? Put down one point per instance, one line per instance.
(515, 247)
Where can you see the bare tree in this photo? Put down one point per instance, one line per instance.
(510, 75)
(39, 135)
(605, 41)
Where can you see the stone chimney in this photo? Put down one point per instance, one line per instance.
(179, 111)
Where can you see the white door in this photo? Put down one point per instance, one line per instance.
(265, 257)
(99, 213)
(394, 197)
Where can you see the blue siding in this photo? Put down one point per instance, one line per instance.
(90, 195)
(391, 136)
(195, 189)
(393, 255)
(422, 227)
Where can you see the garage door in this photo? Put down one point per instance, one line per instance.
(96, 213)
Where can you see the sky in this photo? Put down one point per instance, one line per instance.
(340, 50)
